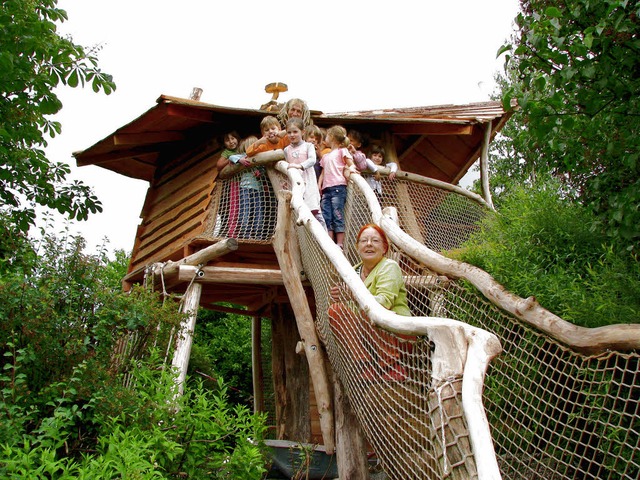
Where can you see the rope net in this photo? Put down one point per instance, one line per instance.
(410, 411)
(440, 219)
(411, 423)
(246, 207)
(554, 413)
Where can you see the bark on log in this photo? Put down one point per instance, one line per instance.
(256, 365)
(201, 257)
(291, 380)
(184, 339)
(586, 340)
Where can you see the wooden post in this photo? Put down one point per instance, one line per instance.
(404, 199)
(286, 249)
(184, 340)
(484, 165)
(351, 445)
(290, 379)
(256, 364)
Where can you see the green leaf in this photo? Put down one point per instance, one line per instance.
(553, 12)
(506, 100)
(504, 48)
(72, 79)
(588, 40)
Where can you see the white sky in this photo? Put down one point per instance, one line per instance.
(338, 56)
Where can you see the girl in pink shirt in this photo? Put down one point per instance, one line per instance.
(336, 166)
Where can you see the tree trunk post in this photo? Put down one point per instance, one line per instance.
(256, 365)
(484, 165)
(184, 340)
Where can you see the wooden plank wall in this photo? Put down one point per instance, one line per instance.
(176, 207)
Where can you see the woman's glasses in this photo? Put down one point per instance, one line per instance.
(372, 241)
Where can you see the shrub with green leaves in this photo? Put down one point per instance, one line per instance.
(542, 244)
(222, 350)
(65, 408)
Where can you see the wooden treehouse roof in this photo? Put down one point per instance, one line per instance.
(441, 142)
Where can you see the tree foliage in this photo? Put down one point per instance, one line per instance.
(34, 60)
(540, 244)
(65, 408)
(222, 350)
(574, 69)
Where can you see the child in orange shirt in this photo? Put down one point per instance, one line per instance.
(273, 138)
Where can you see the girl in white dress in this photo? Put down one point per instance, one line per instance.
(302, 155)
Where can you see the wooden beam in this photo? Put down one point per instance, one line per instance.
(589, 341)
(412, 226)
(351, 444)
(287, 251)
(431, 129)
(201, 257)
(120, 155)
(256, 365)
(235, 311)
(147, 138)
(252, 276)
(263, 158)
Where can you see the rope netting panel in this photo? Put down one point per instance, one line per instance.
(414, 425)
(408, 400)
(440, 219)
(555, 413)
(246, 207)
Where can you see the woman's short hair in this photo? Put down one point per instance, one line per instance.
(385, 240)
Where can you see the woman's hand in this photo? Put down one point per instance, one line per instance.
(336, 293)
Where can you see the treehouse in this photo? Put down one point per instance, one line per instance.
(273, 262)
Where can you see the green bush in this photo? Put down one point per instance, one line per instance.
(156, 434)
(222, 350)
(71, 408)
(540, 244)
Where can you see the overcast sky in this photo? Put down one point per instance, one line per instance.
(338, 56)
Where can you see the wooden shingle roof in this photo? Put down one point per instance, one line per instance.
(438, 141)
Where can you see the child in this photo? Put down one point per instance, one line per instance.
(335, 167)
(251, 192)
(373, 164)
(355, 145)
(313, 135)
(302, 155)
(272, 138)
(231, 142)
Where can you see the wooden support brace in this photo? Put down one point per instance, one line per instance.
(251, 276)
(286, 249)
(404, 199)
(484, 165)
(201, 257)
